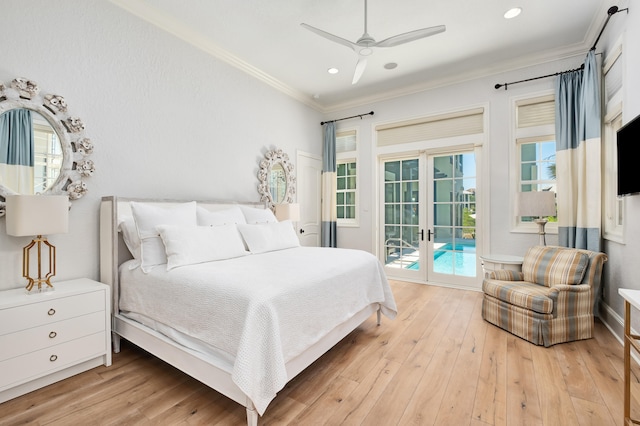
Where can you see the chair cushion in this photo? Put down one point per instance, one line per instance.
(549, 266)
(520, 293)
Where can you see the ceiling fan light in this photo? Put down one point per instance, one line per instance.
(512, 13)
(333, 70)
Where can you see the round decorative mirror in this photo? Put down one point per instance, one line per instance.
(277, 182)
(43, 149)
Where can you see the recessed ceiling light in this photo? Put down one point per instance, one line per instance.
(390, 65)
(333, 70)
(512, 13)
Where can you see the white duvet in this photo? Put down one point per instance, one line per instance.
(262, 309)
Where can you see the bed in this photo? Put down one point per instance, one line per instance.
(224, 313)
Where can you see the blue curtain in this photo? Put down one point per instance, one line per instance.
(578, 153)
(329, 215)
(16, 138)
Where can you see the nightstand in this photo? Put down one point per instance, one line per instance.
(494, 262)
(47, 337)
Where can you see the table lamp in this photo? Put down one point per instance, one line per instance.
(288, 212)
(29, 215)
(538, 204)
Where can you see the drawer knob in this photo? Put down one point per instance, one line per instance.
(52, 358)
(52, 334)
(51, 312)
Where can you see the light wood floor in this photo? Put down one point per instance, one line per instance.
(437, 363)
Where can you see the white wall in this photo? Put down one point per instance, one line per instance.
(167, 120)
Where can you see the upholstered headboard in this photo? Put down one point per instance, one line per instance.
(113, 251)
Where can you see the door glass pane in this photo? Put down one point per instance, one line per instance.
(454, 214)
(391, 192)
(392, 171)
(401, 211)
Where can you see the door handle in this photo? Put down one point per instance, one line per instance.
(429, 235)
(301, 231)
(421, 235)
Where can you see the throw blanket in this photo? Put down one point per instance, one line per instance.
(261, 309)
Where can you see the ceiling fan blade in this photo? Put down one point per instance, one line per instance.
(411, 36)
(330, 36)
(360, 66)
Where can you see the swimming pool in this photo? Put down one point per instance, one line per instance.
(447, 261)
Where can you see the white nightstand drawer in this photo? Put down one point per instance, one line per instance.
(33, 339)
(49, 311)
(23, 368)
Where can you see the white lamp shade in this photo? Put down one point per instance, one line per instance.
(288, 212)
(537, 203)
(29, 215)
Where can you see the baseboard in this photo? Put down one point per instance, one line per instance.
(613, 321)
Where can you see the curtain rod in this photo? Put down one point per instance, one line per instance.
(322, 123)
(610, 12)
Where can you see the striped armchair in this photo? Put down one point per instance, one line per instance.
(551, 301)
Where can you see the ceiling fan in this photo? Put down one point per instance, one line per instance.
(363, 47)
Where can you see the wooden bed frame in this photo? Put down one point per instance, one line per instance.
(210, 369)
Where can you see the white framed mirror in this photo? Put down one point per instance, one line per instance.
(277, 181)
(43, 149)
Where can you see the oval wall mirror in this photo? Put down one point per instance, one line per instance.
(277, 182)
(43, 149)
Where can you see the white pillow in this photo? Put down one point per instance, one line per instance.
(148, 217)
(255, 215)
(220, 217)
(190, 245)
(264, 237)
(127, 227)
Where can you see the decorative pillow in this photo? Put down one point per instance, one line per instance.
(254, 215)
(221, 217)
(264, 237)
(127, 227)
(148, 217)
(549, 266)
(188, 245)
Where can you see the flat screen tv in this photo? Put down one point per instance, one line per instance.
(629, 158)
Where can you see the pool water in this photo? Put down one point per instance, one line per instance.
(450, 262)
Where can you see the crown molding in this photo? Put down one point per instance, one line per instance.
(166, 22)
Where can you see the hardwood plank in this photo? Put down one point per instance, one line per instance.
(401, 388)
(523, 405)
(555, 402)
(491, 394)
(368, 393)
(457, 406)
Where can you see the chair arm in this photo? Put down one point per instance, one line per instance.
(571, 300)
(576, 288)
(505, 275)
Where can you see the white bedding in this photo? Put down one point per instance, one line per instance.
(263, 309)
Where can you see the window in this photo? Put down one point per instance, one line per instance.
(347, 178)
(536, 152)
(346, 196)
(48, 157)
(612, 205)
(537, 167)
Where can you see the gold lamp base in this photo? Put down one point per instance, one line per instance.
(38, 242)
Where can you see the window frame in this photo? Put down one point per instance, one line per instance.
(345, 158)
(613, 207)
(536, 132)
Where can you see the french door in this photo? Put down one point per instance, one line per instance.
(428, 217)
